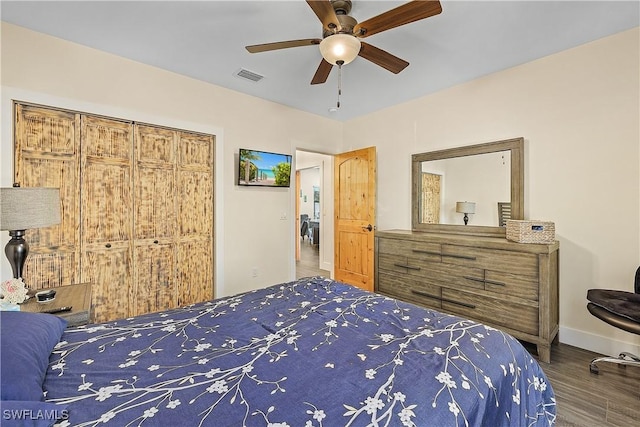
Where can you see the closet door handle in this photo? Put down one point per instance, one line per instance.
(475, 279)
(407, 266)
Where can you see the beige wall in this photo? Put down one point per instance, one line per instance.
(250, 234)
(578, 111)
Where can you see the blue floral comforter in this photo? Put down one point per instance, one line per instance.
(313, 352)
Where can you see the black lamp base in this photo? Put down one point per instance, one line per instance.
(466, 219)
(17, 250)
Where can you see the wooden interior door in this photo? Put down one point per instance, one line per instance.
(431, 184)
(354, 210)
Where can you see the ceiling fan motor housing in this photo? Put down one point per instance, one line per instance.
(341, 7)
(346, 22)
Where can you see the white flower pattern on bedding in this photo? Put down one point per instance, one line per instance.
(250, 360)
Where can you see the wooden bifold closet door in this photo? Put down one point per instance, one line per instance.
(47, 154)
(137, 209)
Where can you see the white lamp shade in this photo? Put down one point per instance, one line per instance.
(23, 208)
(466, 207)
(340, 47)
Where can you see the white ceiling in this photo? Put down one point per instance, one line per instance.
(205, 40)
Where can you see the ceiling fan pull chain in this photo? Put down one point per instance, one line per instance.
(339, 63)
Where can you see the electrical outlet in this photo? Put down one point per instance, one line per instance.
(283, 216)
(254, 272)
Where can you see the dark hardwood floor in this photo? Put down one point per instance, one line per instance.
(309, 264)
(610, 398)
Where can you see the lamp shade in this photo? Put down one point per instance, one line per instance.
(466, 207)
(23, 208)
(340, 47)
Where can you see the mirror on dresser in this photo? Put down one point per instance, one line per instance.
(472, 182)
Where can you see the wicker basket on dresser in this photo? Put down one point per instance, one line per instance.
(506, 285)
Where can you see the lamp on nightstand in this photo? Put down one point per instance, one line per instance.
(466, 208)
(22, 209)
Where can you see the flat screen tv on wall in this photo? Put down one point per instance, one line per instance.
(263, 169)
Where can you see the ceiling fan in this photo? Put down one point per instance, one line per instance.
(340, 43)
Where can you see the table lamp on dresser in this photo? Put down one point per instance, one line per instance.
(23, 208)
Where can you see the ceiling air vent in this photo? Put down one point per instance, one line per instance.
(249, 75)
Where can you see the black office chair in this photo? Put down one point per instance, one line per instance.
(620, 309)
(304, 229)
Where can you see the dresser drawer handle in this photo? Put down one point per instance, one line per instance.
(407, 266)
(108, 245)
(475, 279)
(493, 282)
(471, 258)
(418, 251)
(464, 304)
(424, 294)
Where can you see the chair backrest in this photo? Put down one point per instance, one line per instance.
(504, 213)
(304, 228)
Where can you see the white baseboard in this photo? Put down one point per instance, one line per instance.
(597, 343)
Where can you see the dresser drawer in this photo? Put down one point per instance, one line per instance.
(516, 263)
(415, 249)
(493, 311)
(409, 289)
(503, 283)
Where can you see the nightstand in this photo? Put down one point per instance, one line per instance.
(76, 296)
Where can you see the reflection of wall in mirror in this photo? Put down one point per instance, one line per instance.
(483, 179)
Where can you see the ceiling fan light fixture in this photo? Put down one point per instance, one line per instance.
(340, 47)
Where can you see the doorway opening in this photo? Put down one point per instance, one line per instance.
(314, 208)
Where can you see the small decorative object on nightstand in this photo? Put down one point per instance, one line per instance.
(72, 302)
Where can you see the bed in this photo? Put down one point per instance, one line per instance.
(313, 352)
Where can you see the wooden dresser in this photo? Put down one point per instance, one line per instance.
(506, 285)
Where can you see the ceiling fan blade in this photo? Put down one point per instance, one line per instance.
(409, 12)
(324, 11)
(322, 73)
(382, 58)
(282, 45)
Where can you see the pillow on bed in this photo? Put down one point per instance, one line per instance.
(20, 413)
(26, 342)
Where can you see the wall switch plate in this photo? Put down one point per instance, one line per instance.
(283, 216)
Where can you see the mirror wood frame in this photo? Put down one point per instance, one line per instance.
(516, 148)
